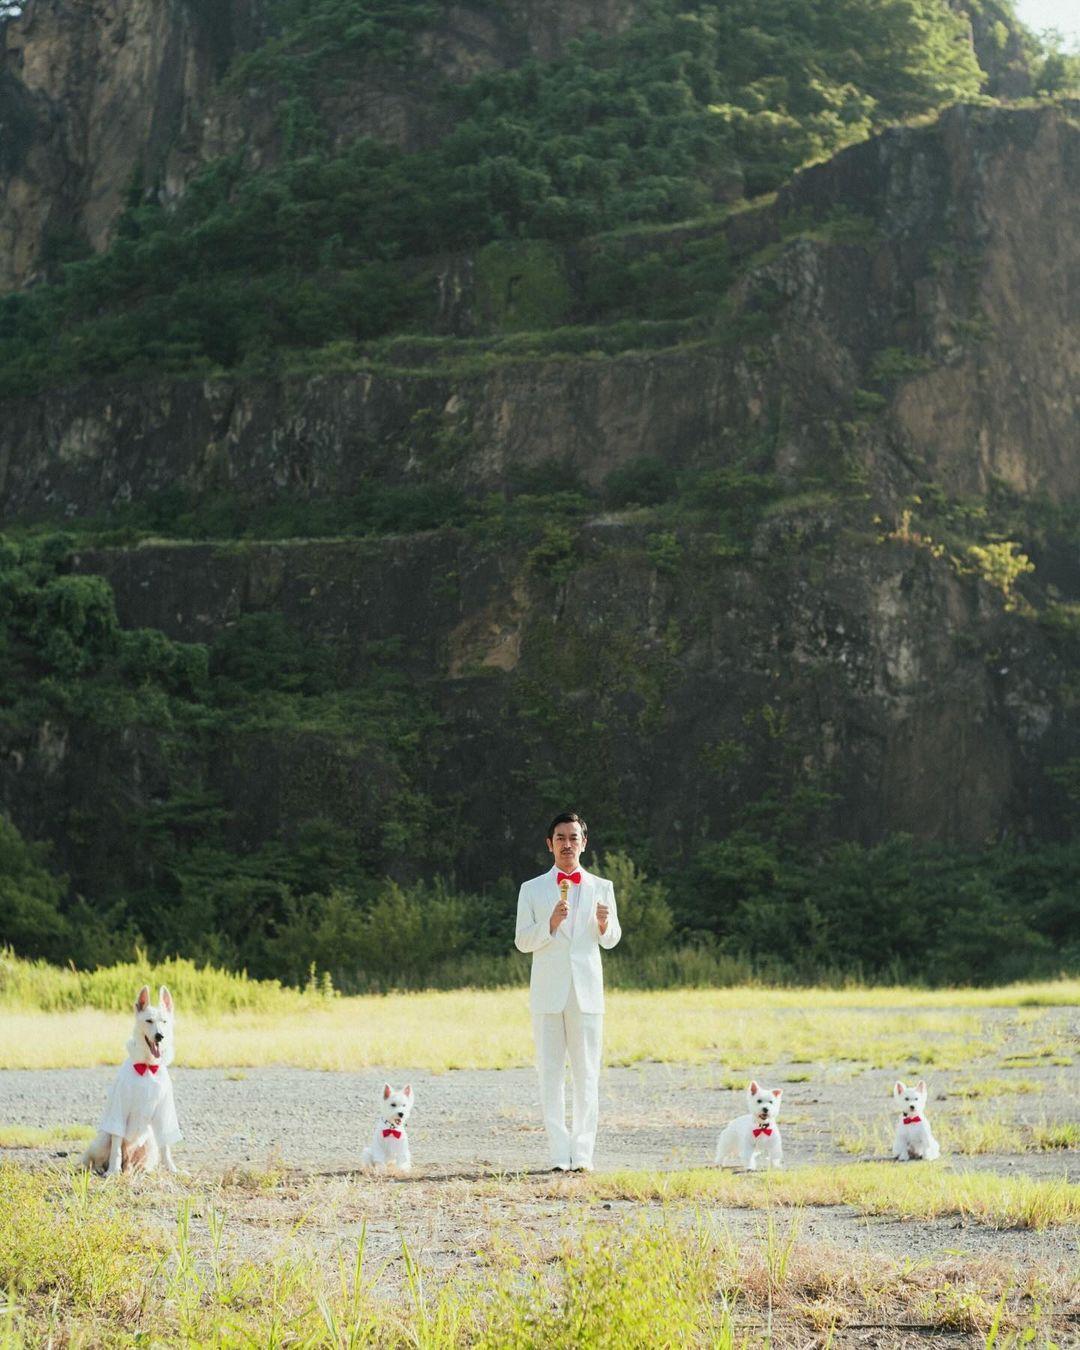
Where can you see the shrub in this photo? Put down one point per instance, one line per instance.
(644, 911)
(31, 898)
(643, 482)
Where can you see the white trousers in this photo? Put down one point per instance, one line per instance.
(580, 1035)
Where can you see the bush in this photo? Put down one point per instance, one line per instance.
(399, 940)
(31, 898)
(644, 911)
(643, 482)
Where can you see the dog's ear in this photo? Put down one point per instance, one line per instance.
(778, 1093)
(165, 998)
(143, 998)
(407, 1089)
(753, 1088)
(922, 1087)
(899, 1090)
(386, 1090)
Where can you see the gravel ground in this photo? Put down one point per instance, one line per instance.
(472, 1125)
(651, 1115)
(469, 1123)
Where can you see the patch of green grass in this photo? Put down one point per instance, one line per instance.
(908, 1191)
(30, 1136)
(1064, 1134)
(967, 1134)
(88, 1264)
(995, 1087)
(37, 985)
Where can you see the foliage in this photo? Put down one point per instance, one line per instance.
(521, 285)
(644, 911)
(31, 897)
(178, 882)
(400, 939)
(1001, 565)
(995, 914)
(643, 482)
(656, 124)
(663, 551)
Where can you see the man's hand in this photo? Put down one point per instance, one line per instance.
(561, 910)
(602, 912)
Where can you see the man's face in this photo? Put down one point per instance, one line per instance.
(567, 844)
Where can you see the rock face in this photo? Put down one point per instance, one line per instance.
(99, 97)
(970, 275)
(938, 343)
(662, 700)
(108, 96)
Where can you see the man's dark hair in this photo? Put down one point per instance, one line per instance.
(567, 818)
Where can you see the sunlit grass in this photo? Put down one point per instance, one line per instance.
(969, 1132)
(36, 985)
(31, 1136)
(906, 1190)
(1062, 1134)
(738, 1029)
(994, 1087)
(90, 1264)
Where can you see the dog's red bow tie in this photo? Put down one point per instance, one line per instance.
(575, 877)
(912, 1120)
(763, 1129)
(141, 1069)
(395, 1133)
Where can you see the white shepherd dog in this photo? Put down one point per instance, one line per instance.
(139, 1126)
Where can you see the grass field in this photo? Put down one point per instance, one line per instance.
(279, 1260)
(978, 1249)
(231, 1022)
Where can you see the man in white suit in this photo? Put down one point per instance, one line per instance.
(564, 917)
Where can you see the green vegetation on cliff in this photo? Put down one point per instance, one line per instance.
(691, 106)
(781, 896)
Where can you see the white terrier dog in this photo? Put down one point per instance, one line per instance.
(390, 1138)
(914, 1138)
(756, 1132)
(139, 1126)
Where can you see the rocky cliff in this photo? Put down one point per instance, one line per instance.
(965, 280)
(110, 97)
(861, 448)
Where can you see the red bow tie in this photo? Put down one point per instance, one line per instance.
(764, 1129)
(575, 877)
(395, 1133)
(141, 1069)
(912, 1120)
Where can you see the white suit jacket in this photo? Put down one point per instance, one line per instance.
(562, 959)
